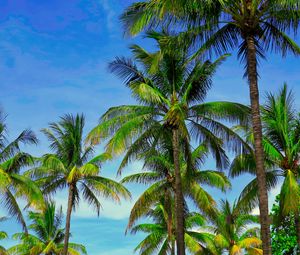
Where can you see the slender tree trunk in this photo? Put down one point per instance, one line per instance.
(259, 152)
(297, 225)
(168, 208)
(179, 200)
(170, 228)
(170, 231)
(68, 219)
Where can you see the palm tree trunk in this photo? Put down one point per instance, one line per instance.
(297, 225)
(68, 219)
(179, 200)
(168, 208)
(170, 233)
(259, 153)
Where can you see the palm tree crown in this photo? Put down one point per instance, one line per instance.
(223, 25)
(232, 232)
(171, 88)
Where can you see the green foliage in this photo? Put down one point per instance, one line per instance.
(72, 164)
(47, 237)
(252, 27)
(233, 232)
(170, 86)
(13, 185)
(3, 235)
(160, 233)
(283, 232)
(171, 96)
(281, 144)
(159, 176)
(281, 128)
(222, 25)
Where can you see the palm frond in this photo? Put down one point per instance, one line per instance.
(213, 178)
(90, 197)
(10, 203)
(289, 194)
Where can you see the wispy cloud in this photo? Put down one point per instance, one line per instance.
(110, 14)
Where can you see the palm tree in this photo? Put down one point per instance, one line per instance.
(251, 26)
(71, 166)
(3, 235)
(281, 141)
(232, 232)
(48, 235)
(171, 90)
(159, 174)
(13, 184)
(160, 241)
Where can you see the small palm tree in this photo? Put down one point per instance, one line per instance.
(281, 141)
(171, 90)
(232, 234)
(71, 166)
(13, 184)
(251, 26)
(48, 235)
(281, 126)
(160, 241)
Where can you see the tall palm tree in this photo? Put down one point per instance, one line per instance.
(160, 241)
(233, 233)
(171, 90)
(48, 237)
(251, 26)
(281, 141)
(13, 184)
(71, 166)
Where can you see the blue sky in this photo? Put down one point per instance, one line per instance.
(53, 60)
